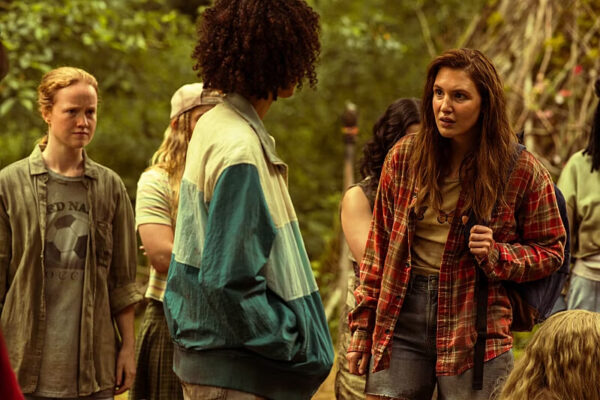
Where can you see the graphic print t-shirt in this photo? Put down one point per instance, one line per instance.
(67, 230)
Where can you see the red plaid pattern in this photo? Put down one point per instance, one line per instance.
(385, 269)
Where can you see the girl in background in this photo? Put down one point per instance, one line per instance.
(561, 361)
(580, 184)
(399, 119)
(156, 213)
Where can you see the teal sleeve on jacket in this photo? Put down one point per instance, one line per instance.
(235, 307)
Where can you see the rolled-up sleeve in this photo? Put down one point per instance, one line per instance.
(122, 286)
(362, 317)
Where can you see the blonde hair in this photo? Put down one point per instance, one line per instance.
(171, 153)
(561, 362)
(60, 78)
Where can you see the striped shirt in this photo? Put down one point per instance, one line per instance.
(529, 243)
(153, 206)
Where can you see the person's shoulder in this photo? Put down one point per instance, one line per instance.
(355, 201)
(352, 193)
(579, 160)
(103, 170)
(154, 173)
(405, 144)
(15, 170)
(528, 162)
(224, 124)
(152, 181)
(223, 131)
(106, 175)
(401, 151)
(529, 168)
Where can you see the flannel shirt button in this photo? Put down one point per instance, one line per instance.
(387, 331)
(407, 265)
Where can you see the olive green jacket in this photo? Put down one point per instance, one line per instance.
(109, 277)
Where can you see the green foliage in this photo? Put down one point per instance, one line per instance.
(372, 53)
(139, 50)
(521, 339)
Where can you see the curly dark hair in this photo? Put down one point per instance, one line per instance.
(256, 47)
(388, 129)
(593, 147)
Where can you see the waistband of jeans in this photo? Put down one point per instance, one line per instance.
(424, 281)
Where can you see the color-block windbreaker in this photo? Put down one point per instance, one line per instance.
(529, 244)
(241, 301)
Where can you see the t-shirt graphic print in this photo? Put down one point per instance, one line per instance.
(65, 250)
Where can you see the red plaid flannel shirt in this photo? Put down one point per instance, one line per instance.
(530, 204)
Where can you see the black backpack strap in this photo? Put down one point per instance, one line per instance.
(481, 294)
(481, 297)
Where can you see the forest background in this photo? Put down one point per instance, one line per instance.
(373, 52)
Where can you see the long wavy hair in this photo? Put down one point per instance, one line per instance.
(171, 153)
(483, 171)
(389, 128)
(60, 78)
(593, 147)
(561, 361)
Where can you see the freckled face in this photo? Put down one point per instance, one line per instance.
(456, 105)
(72, 119)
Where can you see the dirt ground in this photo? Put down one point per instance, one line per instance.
(325, 391)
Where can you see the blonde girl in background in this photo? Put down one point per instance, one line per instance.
(561, 362)
(156, 213)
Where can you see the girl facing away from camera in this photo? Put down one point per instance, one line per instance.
(414, 323)
(156, 212)
(67, 255)
(399, 119)
(580, 184)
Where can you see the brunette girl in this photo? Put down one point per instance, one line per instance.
(414, 325)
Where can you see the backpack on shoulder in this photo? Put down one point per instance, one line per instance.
(531, 302)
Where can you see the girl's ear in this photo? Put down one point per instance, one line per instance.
(46, 116)
(174, 123)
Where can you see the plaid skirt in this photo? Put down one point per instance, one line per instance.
(155, 379)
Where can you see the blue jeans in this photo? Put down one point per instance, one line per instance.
(411, 374)
(584, 294)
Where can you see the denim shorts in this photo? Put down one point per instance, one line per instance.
(584, 294)
(411, 374)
